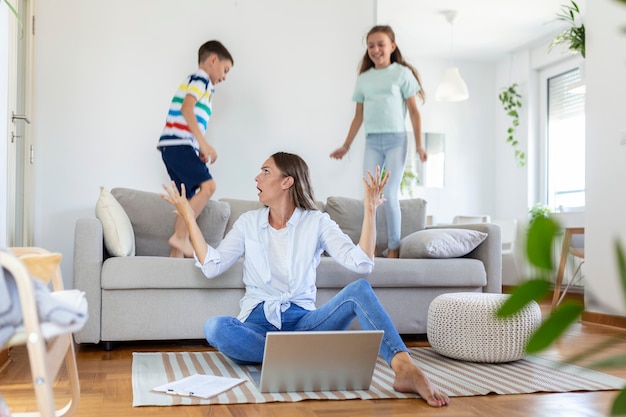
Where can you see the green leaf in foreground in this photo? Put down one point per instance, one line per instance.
(595, 349)
(612, 362)
(539, 243)
(621, 265)
(619, 405)
(551, 329)
(17, 16)
(531, 290)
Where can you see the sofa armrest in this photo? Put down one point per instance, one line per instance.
(88, 258)
(489, 252)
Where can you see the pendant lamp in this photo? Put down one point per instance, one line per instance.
(452, 87)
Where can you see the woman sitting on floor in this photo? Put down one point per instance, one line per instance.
(280, 295)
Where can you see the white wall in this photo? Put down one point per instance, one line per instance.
(605, 155)
(105, 72)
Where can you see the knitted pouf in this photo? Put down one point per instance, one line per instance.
(464, 326)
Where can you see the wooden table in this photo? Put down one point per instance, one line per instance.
(573, 224)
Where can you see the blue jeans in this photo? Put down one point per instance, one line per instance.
(389, 149)
(244, 342)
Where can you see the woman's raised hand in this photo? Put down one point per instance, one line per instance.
(178, 200)
(374, 186)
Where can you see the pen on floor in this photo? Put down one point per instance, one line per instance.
(184, 394)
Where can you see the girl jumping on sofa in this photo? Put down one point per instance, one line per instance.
(385, 88)
(280, 295)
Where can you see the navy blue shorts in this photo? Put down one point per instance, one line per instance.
(185, 167)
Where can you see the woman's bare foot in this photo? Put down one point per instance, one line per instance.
(180, 247)
(410, 378)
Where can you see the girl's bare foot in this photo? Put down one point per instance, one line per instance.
(410, 378)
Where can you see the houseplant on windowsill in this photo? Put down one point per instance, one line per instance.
(538, 210)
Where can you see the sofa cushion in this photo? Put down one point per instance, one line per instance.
(153, 220)
(155, 272)
(348, 214)
(440, 243)
(238, 207)
(117, 229)
(460, 273)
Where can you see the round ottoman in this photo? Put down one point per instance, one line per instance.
(464, 326)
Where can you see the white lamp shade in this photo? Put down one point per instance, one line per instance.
(452, 87)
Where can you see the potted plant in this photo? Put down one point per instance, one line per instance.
(409, 181)
(538, 210)
(511, 102)
(574, 35)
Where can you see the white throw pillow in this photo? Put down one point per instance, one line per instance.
(440, 243)
(119, 237)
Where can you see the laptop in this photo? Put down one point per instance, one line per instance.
(318, 361)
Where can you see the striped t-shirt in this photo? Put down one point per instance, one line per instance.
(176, 131)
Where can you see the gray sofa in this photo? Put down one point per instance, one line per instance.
(149, 296)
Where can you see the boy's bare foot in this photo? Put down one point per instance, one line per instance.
(393, 253)
(410, 378)
(180, 247)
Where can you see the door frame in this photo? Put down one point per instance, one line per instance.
(26, 30)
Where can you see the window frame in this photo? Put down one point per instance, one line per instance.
(544, 75)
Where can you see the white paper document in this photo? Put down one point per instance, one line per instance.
(197, 385)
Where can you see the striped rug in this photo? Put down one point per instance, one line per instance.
(456, 378)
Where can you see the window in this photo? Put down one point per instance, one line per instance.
(564, 143)
(429, 174)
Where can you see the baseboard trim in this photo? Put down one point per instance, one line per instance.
(604, 319)
(4, 357)
(587, 316)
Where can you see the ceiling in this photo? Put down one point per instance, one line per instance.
(483, 30)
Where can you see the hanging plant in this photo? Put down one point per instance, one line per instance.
(511, 102)
(574, 35)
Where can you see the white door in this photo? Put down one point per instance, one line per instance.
(20, 146)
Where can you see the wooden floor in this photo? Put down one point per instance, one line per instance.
(106, 388)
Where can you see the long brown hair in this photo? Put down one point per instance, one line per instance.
(396, 56)
(291, 165)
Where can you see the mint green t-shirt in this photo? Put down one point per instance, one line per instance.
(383, 93)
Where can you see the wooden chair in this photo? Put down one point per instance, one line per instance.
(574, 246)
(48, 345)
(508, 235)
(463, 219)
